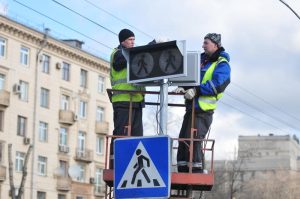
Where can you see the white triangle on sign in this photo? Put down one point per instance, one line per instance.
(154, 179)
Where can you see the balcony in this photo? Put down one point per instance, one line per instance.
(66, 117)
(84, 189)
(2, 173)
(63, 149)
(85, 155)
(102, 127)
(4, 98)
(63, 184)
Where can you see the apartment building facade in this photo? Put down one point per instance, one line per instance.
(269, 152)
(53, 97)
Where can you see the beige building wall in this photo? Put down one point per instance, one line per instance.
(269, 152)
(16, 36)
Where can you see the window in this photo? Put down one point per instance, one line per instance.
(24, 56)
(81, 176)
(101, 84)
(66, 71)
(46, 64)
(100, 114)
(242, 176)
(82, 109)
(2, 47)
(61, 196)
(41, 195)
(42, 165)
(64, 102)
(99, 145)
(1, 152)
(22, 125)
(81, 141)
(2, 81)
(1, 120)
(63, 165)
(44, 98)
(23, 91)
(17, 189)
(19, 161)
(43, 131)
(63, 136)
(98, 180)
(83, 78)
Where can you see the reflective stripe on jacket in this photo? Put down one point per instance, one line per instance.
(210, 102)
(118, 81)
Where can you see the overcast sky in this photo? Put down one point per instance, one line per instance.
(262, 38)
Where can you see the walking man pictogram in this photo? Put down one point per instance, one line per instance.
(142, 64)
(170, 61)
(139, 166)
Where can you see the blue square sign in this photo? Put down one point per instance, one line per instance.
(142, 167)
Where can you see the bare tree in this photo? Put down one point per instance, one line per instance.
(273, 184)
(229, 178)
(235, 173)
(219, 190)
(11, 173)
(24, 173)
(294, 185)
(235, 177)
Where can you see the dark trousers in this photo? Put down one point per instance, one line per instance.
(121, 116)
(203, 121)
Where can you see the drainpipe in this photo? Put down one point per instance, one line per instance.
(34, 122)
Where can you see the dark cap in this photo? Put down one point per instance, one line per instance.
(214, 37)
(125, 34)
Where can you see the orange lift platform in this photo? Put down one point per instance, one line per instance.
(182, 184)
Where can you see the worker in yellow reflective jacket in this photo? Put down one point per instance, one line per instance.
(215, 77)
(120, 101)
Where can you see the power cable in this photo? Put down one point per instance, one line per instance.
(289, 7)
(259, 110)
(85, 17)
(64, 25)
(266, 123)
(119, 19)
(158, 127)
(265, 101)
(158, 112)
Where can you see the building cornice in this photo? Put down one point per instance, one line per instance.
(35, 37)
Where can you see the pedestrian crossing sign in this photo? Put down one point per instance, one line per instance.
(142, 167)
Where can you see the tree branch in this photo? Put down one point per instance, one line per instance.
(11, 173)
(21, 190)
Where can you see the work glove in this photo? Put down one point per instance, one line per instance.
(179, 90)
(190, 94)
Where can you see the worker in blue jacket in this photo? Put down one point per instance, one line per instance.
(215, 77)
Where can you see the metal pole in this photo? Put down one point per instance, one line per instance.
(129, 117)
(35, 113)
(163, 107)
